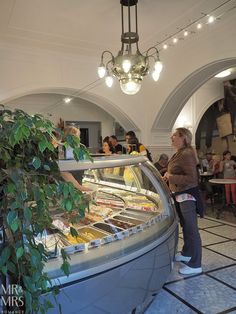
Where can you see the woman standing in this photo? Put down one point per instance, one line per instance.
(183, 182)
(227, 166)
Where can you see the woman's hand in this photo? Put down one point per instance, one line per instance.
(166, 176)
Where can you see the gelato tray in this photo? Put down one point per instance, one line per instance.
(108, 228)
(137, 214)
(119, 223)
(53, 243)
(95, 237)
(133, 221)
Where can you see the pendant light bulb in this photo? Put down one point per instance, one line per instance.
(109, 81)
(101, 71)
(130, 87)
(155, 75)
(126, 65)
(158, 66)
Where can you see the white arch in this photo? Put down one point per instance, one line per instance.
(126, 122)
(171, 108)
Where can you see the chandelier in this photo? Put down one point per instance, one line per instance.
(130, 65)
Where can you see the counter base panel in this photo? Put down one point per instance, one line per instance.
(121, 289)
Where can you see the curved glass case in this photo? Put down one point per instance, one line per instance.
(130, 217)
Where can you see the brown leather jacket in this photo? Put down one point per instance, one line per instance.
(182, 169)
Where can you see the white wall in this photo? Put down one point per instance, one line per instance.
(53, 107)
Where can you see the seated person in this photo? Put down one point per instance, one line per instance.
(161, 164)
(207, 163)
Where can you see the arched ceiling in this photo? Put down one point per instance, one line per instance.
(176, 100)
(89, 27)
(58, 43)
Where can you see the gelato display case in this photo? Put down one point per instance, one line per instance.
(126, 241)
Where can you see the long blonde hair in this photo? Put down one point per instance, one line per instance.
(186, 134)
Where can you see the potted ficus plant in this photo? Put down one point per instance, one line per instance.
(30, 183)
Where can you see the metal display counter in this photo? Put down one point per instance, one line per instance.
(126, 241)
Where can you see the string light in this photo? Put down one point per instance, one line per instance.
(186, 33)
(199, 23)
(211, 19)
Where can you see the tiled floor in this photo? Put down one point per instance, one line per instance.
(213, 291)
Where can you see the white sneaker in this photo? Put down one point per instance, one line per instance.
(186, 270)
(181, 258)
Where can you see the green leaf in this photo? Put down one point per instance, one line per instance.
(36, 162)
(11, 267)
(6, 252)
(11, 216)
(68, 205)
(19, 252)
(36, 276)
(14, 205)
(42, 145)
(4, 270)
(27, 214)
(46, 167)
(25, 131)
(65, 267)
(15, 225)
(73, 232)
(35, 257)
(18, 134)
(28, 299)
(66, 190)
(23, 195)
(11, 188)
(28, 283)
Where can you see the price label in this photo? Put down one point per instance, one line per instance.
(126, 233)
(79, 247)
(118, 236)
(139, 228)
(107, 239)
(94, 243)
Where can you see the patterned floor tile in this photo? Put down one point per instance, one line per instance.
(212, 260)
(208, 238)
(206, 223)
(166, 303)
(227, 275)
(225, 231)
(228, 249)
(204, 293)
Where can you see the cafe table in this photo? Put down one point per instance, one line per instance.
(223, 182)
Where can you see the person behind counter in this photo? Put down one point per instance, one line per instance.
(183, 182)
(141, 149)
(161, 164)
(106, 148)
(68, 176)
(117, 148)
